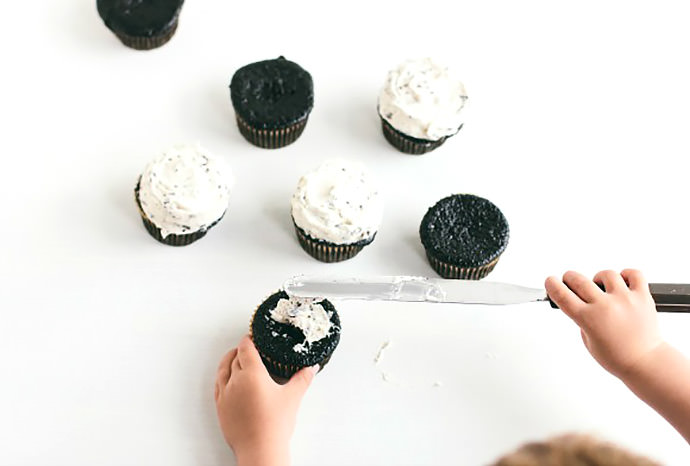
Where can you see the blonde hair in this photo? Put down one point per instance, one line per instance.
(573, 450)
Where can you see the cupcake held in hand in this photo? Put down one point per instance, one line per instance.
(272, 101)
(336, 210)
(421, 106)
(464, 236)
(291, 333)
(182, 194)
(141, 24)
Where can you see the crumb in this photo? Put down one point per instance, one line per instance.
(437, 384)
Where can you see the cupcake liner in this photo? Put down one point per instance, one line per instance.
(447, 270)
(172, 239)
(271, 138)
(329, 252)
(148, 43)
(277, 369)
(408, 144)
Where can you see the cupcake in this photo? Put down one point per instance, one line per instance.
(141, 24)
(464, 236)
(336, 210)
(291, 333)
(182, 193)
(421, 106)
(272, 100)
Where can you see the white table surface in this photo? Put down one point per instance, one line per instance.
(577, 128)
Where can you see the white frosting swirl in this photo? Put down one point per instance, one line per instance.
(337, 203)
(305, 314)
(422, 99)
(184, 190)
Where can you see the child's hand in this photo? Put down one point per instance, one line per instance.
(257, 415)
(619, 326)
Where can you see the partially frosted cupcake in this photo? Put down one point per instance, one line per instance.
(421, 105)
(182, 193)
(336, 210)
(291, 333)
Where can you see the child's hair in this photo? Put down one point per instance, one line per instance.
(573, 450)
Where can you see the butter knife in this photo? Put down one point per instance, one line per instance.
(667, 296)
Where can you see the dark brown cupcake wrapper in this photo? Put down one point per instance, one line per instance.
(407, 144)
(447, 270)
(329, 252)
(148, 43)
(271, 138)
(172, 239)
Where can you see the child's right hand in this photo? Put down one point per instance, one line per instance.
(619, 327)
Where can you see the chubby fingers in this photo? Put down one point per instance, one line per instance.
(613, 281)
(635, 280)
(582, 286)
(564, 297)
(247, 355)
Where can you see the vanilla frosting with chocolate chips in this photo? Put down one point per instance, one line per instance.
(184, 190)
(422, 99)
(305, 314)
(338, 203)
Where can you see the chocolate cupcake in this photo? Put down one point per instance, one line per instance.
(421, 106)
(464, 236)
(182, 194)
(336, 210)
(141, 24)
(272, 101)
(291, 333)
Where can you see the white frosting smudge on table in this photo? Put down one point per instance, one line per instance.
(184, 190)
(338, 202)
(423, 99)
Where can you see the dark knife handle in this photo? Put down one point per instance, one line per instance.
(669, 297)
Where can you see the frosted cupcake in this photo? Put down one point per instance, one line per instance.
(421, 105)
(336, 210)
(182, 193)
(291, 333)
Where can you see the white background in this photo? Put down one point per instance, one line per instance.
(577, 128)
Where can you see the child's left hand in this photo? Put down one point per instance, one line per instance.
(257, 415)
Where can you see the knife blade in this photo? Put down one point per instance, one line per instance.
(413, 289)
(668, 297)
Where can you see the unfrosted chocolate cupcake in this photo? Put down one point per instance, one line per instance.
(272, 101)
(182, 193)
(464, 236)
(336, 210)
(291, 333)
(421, 105)
(141, 24)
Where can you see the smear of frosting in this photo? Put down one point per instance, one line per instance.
(423, 99)
(185, 189)
(307, 315)
(338, 202)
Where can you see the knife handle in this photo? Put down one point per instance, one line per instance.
(669, 297)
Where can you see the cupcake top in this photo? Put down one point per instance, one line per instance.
(338, 202)
(295, 331)
(139, 18)
(422, 99)
(271, 94)
(185, 189)
(464, 230)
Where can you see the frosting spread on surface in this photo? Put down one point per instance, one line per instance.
(337, 203)
(422, 99)
(184, 190)
(307, 315)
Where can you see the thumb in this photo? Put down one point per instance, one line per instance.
(300, 381)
